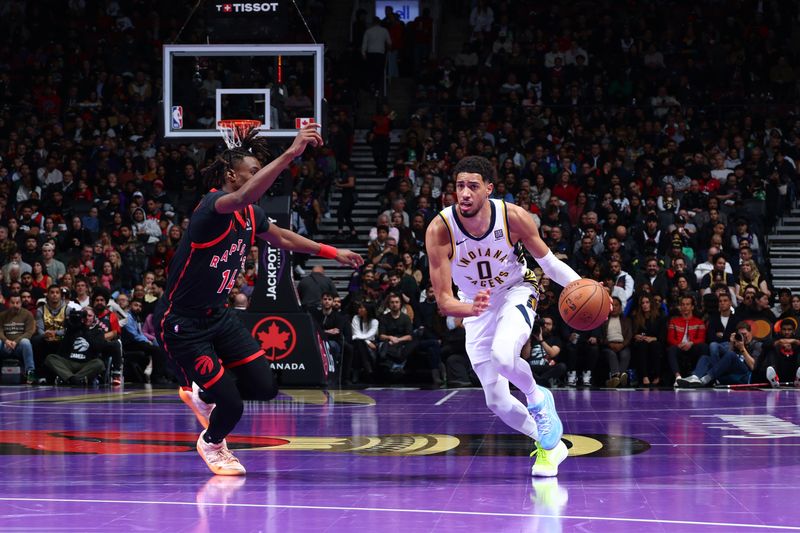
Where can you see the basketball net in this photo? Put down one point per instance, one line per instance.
(235, 131)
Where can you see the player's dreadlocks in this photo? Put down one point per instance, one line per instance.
(252, 146)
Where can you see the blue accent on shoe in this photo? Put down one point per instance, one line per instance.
(547, 422)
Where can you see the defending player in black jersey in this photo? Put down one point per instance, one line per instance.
(207, 342)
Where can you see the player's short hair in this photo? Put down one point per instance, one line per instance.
(475, 164)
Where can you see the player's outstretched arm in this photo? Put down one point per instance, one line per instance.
(289, 240)
(523, 228)
(256, 186)
(437, 245)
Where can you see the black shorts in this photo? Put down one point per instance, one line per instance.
(202, 348)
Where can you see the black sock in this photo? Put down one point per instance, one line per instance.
(208, 440)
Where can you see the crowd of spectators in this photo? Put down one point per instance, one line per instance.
(92, 201)
(655, 146)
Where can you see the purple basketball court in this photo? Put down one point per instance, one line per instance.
(400, 460)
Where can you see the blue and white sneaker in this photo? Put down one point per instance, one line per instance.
(547, 422)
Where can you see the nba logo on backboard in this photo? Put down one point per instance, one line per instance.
(177, 117)
(302, 122)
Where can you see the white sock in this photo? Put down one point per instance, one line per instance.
(535, 397)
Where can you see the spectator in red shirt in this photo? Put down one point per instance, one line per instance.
(564, 190)
(379, 137)
(108, 322)
(686, 336)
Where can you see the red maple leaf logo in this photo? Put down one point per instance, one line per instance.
(273, 339)
(203, 364)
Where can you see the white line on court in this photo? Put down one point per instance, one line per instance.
(410, 511)
(26, 391)
(440, 402)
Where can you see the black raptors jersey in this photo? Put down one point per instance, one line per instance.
(210, 255)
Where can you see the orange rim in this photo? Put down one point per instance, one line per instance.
(234, 131)
(239, 123)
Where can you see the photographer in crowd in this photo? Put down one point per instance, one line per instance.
(78, 359)
(541, 351)
(734, 366)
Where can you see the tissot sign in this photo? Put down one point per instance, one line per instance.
(245, 8)
(263, 22)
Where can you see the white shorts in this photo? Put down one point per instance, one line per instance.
(508, 322)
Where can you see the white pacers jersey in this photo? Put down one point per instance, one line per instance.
(490, 261)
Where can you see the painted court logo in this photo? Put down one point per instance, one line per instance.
(104, 442)
(204, 365)
(277, 337)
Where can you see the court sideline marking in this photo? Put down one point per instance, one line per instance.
(411, 511)
(440, 402)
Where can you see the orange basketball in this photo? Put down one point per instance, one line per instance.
(584, 304)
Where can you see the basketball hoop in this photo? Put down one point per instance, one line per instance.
(234, 131)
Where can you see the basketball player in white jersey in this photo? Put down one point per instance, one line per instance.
(472, 243)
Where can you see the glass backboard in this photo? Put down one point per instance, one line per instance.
(280, 85)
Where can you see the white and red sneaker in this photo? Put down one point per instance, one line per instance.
(219, 458)
(201, 409)
(773, 378)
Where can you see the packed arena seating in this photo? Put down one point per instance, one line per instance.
(655, 151)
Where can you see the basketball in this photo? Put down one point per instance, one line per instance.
(584, 304)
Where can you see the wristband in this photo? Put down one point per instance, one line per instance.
(327, 251)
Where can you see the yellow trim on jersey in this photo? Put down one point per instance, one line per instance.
(529, 277)
(452, 235)
(505, 224)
